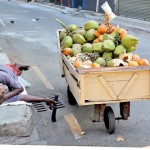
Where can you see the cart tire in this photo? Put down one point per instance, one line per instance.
(109, 120)
(71, 99)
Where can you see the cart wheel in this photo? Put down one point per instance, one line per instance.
(71, 99)
(109, 119)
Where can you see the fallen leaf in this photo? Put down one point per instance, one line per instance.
(45, 123)
(120, 139)
(147, 147)
(82, 133)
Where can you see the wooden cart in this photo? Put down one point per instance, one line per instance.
(106, 85)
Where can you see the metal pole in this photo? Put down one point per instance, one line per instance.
(116, 7)
(97, 5)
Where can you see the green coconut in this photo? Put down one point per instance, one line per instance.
(131, 49)
(76, 48)
(66, 42)
(79, 39)
(81, 31)
(62, 34)
(120, 49)
(72, 27)
(91, 25)
(129, 41)
(114, 34)
(108, 45)
(90, 35)
(77, 45)
(87, 48)
(107, 55)
(108, 37)
(101, 61)
(97, 47)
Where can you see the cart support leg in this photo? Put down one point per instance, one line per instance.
(125, 110)
(99, 112)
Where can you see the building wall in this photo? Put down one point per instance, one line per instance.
(89, 5)
(139, 9)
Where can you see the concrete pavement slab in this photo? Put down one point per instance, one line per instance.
(16, 120)
(33, 139)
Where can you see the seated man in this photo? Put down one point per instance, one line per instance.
(11, 88)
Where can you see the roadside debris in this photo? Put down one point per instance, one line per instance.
(82, 133)
(12, 21)
(45, 124)
(120, 139)
(36, 19)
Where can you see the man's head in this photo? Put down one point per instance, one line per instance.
(3, 89)
(22, 67)
(17, 68)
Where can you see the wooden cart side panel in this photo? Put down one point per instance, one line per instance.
(138, 87)
(72, 70)
(82, 90)
(128, 86)
(120, 86)
(112, 69)
(60, 53)
(74, 88)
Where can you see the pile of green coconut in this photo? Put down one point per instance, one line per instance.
(84, 48)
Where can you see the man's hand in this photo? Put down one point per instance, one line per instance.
(50, 102)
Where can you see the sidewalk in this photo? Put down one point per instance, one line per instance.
(127, 23)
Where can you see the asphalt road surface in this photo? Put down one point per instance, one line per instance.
(31, 39)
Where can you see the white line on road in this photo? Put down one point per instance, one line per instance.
(1, 22)
(43, 78)
(74, 126)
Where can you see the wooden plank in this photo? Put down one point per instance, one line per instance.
(70, 67)
(128, 86)
(82, 90)
(112, 69)
(99, 112)
(73, 84)
(107, 87)
(59, 51)
(113, 101)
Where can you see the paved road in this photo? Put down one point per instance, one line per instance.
(34, 43)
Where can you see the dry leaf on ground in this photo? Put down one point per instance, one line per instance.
(120, 139)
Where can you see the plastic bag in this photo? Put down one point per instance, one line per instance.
(106, 8)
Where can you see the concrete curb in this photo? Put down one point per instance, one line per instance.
(128, 23)
(16, 121)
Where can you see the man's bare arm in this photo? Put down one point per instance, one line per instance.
(10, 94)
